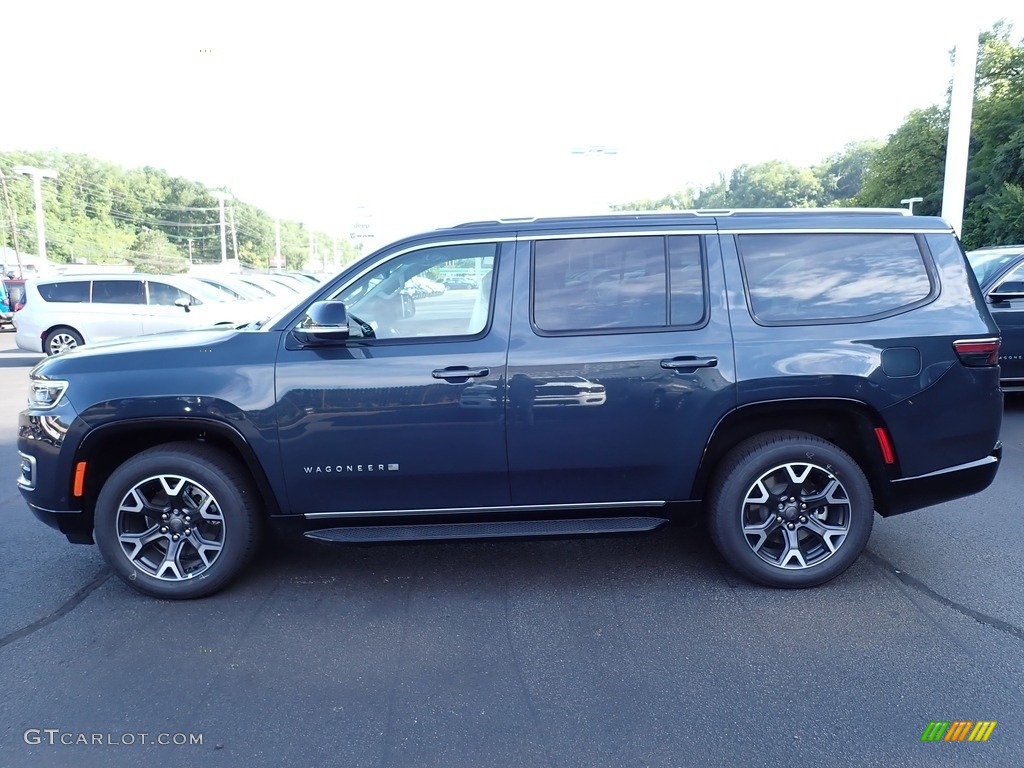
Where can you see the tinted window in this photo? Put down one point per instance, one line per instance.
(686, 280)
(1015, 275)
(600, 283)
(164, 294)
(118, 292)
(988, 264)
(404, 297)
(75, 291)
(793, 278)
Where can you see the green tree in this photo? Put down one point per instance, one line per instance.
(841, 175)
(911, 164)
(774, 184)
(153, 252)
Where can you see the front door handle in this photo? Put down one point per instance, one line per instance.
(460, 372)
(685, 362)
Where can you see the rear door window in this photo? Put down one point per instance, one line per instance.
(590, 284)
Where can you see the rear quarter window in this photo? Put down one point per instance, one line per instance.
(65, 292)
(795, 279)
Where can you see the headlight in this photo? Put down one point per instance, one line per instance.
(45, 394)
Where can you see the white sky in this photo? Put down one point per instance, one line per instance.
(431, 113)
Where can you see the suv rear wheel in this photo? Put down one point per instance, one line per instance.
(789, 509)
(177, 521)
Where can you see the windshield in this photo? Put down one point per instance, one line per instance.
(988, 264)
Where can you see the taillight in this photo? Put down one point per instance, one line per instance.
(976, 353)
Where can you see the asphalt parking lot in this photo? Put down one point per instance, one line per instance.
(633, 651)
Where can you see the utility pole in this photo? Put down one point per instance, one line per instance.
(190, 251)
(221, 196)
(234, 236)
(38, 174)
(277, 243)
(312, 247)
(14, 229)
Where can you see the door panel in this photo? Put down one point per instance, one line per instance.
(619, 408)
(412, 416)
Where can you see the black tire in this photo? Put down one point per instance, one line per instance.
(789, 509)
(61, 339)
(189, 514)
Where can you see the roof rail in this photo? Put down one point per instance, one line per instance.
(690, 212)
(731, 211)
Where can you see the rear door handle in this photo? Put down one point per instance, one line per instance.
(685, 362)
(460, 372)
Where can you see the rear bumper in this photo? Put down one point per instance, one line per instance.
(910, 493)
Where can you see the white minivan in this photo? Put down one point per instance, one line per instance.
(64, 312)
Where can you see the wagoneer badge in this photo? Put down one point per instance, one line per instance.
(344, 469)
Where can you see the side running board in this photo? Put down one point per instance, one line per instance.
(500, 530)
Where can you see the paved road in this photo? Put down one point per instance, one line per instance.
(641, 651)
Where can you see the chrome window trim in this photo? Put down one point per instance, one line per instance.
(837, 231)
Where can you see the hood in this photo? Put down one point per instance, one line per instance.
(166, 341)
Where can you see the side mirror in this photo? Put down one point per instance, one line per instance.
(323, 323)
(1011, 289)
(183, 303)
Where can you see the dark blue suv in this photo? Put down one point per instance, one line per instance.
(786, 373)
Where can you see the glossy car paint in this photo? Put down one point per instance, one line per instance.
(1008, 312)
(363, 428)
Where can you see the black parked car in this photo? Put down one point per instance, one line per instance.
(1000, 271)
(787, 374)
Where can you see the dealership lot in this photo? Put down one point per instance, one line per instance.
(640, 651)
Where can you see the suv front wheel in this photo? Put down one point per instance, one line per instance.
(789, 509)
(177, 521)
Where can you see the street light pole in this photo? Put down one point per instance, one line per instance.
(222, 196)
(38, 174)
(909, 202)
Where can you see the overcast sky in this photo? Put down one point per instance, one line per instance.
(430, 113)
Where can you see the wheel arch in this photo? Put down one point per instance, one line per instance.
(109, 446)
(848, 424)
(61, 326)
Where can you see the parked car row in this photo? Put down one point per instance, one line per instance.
(63, 312)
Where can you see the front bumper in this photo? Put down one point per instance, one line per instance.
(46, 467)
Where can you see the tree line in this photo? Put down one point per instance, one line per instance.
(98, 213)
(910, 163)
